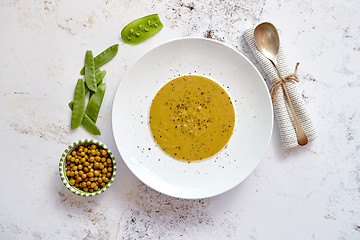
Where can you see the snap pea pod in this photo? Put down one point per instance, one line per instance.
(98, 79)
(103, 57)
(141, 29)
(99, 76)
(90, 71)
(90, 126)
(79, 104)
(87, 123)
(94, 104)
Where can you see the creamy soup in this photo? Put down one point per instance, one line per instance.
(192, 118)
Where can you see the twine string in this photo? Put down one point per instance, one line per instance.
(278, 82)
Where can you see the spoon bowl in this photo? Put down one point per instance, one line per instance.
(267, 40)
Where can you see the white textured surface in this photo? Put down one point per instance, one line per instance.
(305, 193)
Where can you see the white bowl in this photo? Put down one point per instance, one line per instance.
(253, 113)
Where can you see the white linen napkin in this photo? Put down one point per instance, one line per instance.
(281, 105)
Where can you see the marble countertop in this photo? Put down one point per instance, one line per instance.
(311, 192)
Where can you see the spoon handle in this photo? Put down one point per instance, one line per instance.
(300, 134)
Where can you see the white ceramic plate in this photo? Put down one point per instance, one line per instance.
(246, 147)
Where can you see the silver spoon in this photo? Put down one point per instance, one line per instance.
(268, 43)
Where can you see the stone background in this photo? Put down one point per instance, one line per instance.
(311, 192)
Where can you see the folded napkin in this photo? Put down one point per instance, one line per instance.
(281, 105)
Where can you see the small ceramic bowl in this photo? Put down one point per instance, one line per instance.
(62, 168)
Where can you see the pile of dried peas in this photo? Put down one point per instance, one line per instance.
(89, 167)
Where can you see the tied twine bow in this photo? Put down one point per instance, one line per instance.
(278, 82)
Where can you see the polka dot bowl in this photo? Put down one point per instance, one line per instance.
(63, 164)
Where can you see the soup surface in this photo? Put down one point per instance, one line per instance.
(192, 118)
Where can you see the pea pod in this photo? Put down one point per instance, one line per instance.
(99, 76)
(141, 29)
(93, 107)
(103, 57)
(79, 104)
(87, 123)
(71, 105)
(90, 71)
(90, 126)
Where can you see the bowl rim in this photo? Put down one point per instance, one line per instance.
(62, 165)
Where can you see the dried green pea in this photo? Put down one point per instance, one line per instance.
(103, 57)
(143, 28)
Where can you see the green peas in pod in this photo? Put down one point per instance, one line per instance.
(141, 29)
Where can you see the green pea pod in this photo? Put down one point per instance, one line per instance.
(94, 104)
(87, 123)
(90, 126)
(71, 105)
(86, 88)
(141, 29)
(90, 71)
(99, 76)
(104, 57)
(79, 104)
